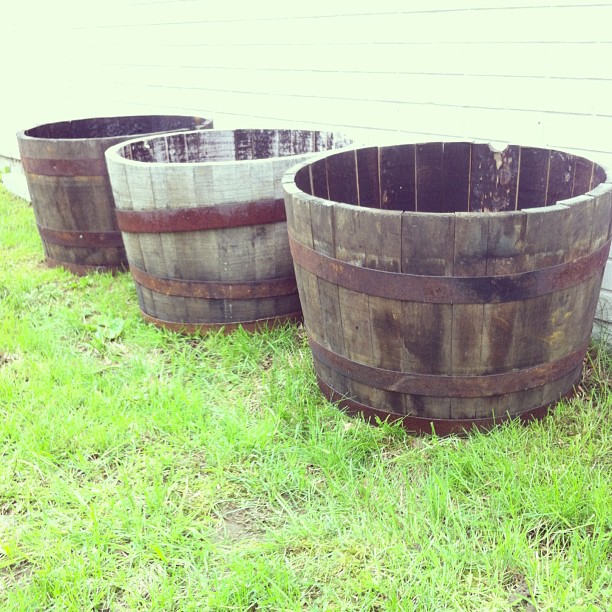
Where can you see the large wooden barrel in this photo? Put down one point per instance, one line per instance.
(447, 284)
(70, 190)
(203, 221)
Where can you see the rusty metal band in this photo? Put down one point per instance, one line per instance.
(199, 328)
(449, 386)
(74, 238)
(65, 167)
(82, 269)
(215, 290)
(424, 425)
(236, 214)
(449, 289)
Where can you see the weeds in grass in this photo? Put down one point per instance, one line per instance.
(146, 470)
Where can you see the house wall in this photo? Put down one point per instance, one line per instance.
(534, 73)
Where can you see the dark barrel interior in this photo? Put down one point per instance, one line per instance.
(450, 177)
(229, 145)
(111, 127)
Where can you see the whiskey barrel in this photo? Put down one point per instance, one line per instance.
(70, 190)
(203, 220)
(448, 285)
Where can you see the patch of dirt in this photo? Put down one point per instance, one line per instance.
(266, 364)
(594, 374)
(236, 525)
(7, 524)
(15, 575)
(7, 508)
(13, 572)
(301, 334)
(6, 358)
(520, 596)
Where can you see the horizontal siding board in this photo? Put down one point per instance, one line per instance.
(571, 61)
(525, 24)
(133, 14)
(519, 93)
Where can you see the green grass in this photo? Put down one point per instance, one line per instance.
(142, 470)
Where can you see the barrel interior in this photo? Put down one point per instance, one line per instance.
(450, 177)
(229, 146)
(112, 127)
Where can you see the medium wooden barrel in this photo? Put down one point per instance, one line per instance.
(447, 284)
(70, 190)
(203, 221)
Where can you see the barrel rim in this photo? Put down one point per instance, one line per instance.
(113, 156)
(23, 134)
(291, 189)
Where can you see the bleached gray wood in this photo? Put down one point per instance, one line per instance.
(220, 168)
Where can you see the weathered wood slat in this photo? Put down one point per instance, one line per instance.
(456, 178)
(345, 187)
(601, 227)
(378, 246)
(123, 199)
(397, 177)
(579, 224)
(428, 244)
(430, 177)
(368, 177)
(318, 179)
(370, 238)
(426, 329)
(493, 178)
(505, 246)
(583, 175)
(325, 295)
(560, 177)
(428, 247)
(385, 315)
(149, 244)
(533, 177)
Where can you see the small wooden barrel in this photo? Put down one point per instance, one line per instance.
(447, 284)
(70, 190)
(203, 221)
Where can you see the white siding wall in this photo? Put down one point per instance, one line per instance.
(534, 72)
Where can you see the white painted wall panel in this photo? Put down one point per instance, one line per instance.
(536, 73)
(510, 71)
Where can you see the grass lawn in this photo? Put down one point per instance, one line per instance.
(142, 470)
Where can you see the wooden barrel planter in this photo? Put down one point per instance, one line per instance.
(70, 190)
(448, 285)
(203, 220)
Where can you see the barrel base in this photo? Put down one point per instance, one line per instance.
(201, 328)
(423, 425)
(84, 270)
